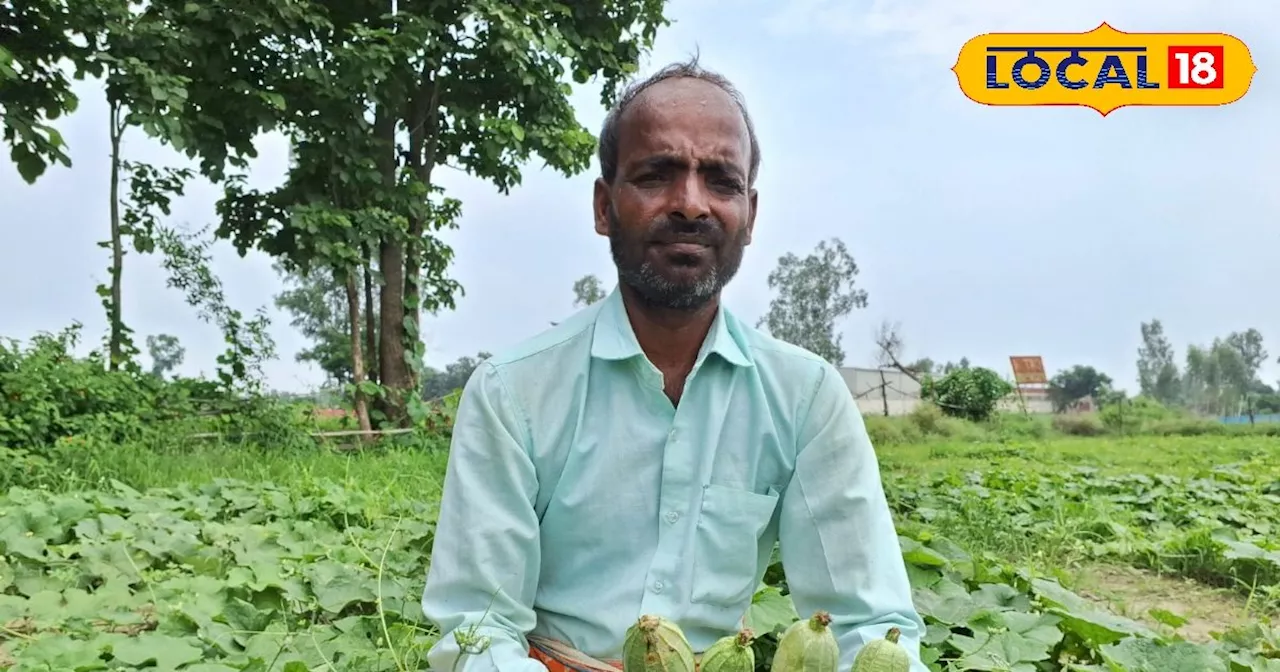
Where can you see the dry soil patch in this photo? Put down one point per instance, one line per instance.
(1133, 593)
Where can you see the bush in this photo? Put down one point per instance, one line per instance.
(929, 419)
(50, 397)
(891, 431)
(1020, 427)
(1138, 415)
(47, 393)
(971, 394)
(1079, 425)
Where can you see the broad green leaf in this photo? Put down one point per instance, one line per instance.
(770, 611)
(1145, 655)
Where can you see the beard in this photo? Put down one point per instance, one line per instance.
(687, 291)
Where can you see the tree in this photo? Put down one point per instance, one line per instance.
(587, 290)
(1248, 344)
(140, 91)
(1076, 383)
(108, 38)
(1248, 359)
(44, 46)
(166, 353)
(1202, 383)
(437, 384)
(318, 304)
(1157, 372)
(375, 102)
(950, 367)
(922, 367)
(889, 344)
(813, 293)
(151, 69)
(1223, 376)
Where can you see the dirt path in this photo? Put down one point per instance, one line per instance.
(1133, 593)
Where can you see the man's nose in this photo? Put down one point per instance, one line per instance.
(689, 197)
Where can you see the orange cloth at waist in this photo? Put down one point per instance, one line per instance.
(560, 657)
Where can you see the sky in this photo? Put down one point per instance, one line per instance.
(983, 232)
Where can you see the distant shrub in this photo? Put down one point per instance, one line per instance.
(928, 418)
(1019, 426)
(1079, 425)
(50, 398)
(1184, 427)
(891, 431)
(971, 394)
(1137, 415)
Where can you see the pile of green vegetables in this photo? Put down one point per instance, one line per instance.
(655, 644)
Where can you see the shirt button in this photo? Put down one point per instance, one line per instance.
(672, 516)
(671, 436)
(657, 586)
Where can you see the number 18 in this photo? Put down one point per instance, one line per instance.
(1195, 67)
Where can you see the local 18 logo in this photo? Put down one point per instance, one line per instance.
(1104, 69)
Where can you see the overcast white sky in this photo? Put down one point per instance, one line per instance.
(985, 231)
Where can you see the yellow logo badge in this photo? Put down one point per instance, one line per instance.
(1104, 69)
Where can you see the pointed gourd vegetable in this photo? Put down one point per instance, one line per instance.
(808, 646)
(883, 655)
(732, 653)
(654, 644)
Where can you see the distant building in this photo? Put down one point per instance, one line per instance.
(879, 390)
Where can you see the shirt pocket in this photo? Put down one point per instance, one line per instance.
(726, 546)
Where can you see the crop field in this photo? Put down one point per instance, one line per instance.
(1141, 554)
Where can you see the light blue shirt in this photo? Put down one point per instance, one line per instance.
(578, 497)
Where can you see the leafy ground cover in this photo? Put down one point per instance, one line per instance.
(309, 561)
(1217, 521)
(213, 578)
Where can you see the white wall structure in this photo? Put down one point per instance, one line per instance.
(878, 389)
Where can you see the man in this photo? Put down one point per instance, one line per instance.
(643, 456)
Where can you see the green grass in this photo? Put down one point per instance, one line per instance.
(386, 475)
(416, 471)
(1176, 455)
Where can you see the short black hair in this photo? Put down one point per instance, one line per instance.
(608, 149)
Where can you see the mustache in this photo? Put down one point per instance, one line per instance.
(708, 231)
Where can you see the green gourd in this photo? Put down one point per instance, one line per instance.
(732, 653)
(655, 644)
(808, 646)
(883, 655)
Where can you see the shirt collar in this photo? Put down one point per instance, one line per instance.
(615, 339)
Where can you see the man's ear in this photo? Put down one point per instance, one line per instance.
(751, 215)
(601, 198)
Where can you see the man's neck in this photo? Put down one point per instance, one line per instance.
(670, 338)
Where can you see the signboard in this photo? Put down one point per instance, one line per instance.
(1028, 370)
(1104, 69)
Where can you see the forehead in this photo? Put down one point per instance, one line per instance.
(685, 117)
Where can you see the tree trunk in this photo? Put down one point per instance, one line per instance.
(392, 366)
(114, 316)
(370, 319)
(357, 357)
(423, 120)
(884, 393)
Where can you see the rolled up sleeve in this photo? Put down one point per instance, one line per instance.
(839, 546)
(485, 556)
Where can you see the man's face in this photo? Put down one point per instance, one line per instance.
(680, 210)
